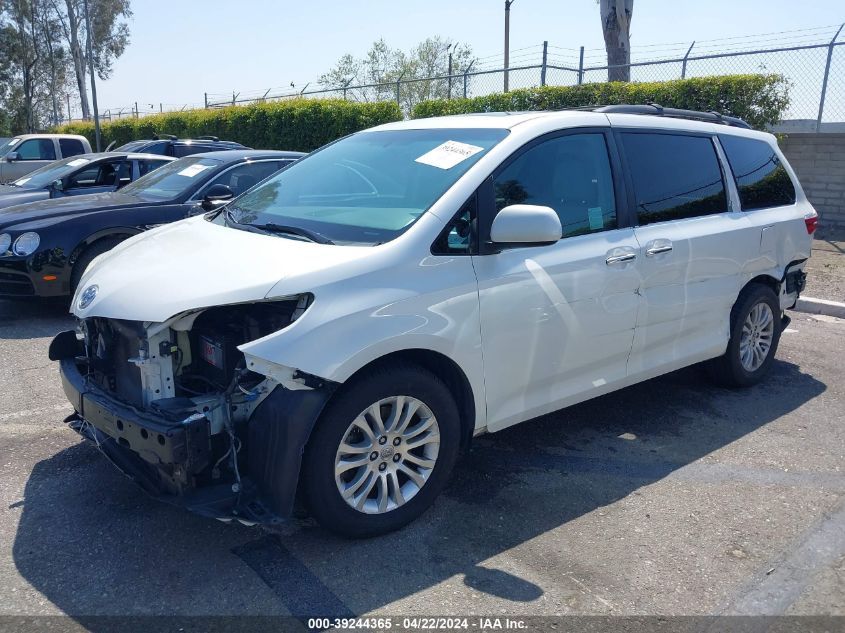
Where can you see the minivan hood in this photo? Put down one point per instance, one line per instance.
(195, 264)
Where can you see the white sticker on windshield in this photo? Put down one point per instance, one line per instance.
(14, 142)
(193, 170)
(449, 154)
(77, 162)
(21, 181)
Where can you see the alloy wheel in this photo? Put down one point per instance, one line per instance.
(757, 334)
(387, 454)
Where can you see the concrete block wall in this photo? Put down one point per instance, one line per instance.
(819, 161)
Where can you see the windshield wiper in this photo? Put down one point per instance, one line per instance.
(311, 236)
(272, 227)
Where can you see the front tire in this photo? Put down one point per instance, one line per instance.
(755, 334)
(381, 452)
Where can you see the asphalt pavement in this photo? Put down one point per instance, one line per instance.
(673, 497)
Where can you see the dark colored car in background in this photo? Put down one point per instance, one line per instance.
(45, 246)
(167, 145)
(80, 175)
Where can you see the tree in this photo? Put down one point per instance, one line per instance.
(385, 73)
(109, 38)
(616, 24)
(25, 91)
(56, 60)
(33, 65)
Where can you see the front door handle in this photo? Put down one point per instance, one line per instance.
(618, 259)
(656, 250)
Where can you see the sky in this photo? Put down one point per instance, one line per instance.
(181, 49)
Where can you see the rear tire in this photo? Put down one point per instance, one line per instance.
(756, 324)
(381, 452)
(88, 255)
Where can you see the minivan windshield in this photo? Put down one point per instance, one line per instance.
(366, 188)
(41, 178)
(171, 180)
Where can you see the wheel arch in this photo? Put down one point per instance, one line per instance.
(764, 280)
(88, 242)
(444, 368)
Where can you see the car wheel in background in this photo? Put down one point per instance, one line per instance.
(88, 255)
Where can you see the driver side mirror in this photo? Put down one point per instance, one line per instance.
(215, 196)
(57, 185)
(12, 157)
(526, 225)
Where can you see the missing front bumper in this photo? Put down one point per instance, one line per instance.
(172, 459)
(160, 455)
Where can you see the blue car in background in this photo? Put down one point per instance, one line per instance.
(79, 175)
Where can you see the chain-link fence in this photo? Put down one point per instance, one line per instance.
(811, 60)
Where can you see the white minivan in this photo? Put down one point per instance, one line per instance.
(338, 333)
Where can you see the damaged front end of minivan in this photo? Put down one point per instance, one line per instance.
(192, 419)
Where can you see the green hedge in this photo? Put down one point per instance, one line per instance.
(759, 99)
(299, 124)
(305, 124)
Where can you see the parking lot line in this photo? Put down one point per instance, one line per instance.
(775, 588)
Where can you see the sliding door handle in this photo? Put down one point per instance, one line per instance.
(656, 250)
(619, 259)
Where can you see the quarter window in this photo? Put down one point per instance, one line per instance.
(674, 176)
(760, 176)
(571, 174)
(458, 238)
(37, 149)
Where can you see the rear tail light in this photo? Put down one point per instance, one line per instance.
(812, 222)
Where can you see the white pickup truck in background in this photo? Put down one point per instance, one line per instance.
(22, 154)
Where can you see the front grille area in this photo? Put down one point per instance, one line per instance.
(16, 284)
(110, 346)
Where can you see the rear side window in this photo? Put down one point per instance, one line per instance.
(243, 177)
(71, 147)
(760, 177)
(146, 166)
(188, 149)
(674, 176)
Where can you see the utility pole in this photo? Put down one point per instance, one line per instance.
(508, 4)
(93, 81)
(449, 50)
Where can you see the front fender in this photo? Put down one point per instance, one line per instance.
(345, 330)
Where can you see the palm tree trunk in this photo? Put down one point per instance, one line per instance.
(616, 22)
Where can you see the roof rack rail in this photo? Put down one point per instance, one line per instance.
(163, 137)
(655, 109)
(208, 138)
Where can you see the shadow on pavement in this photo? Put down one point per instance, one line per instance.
(33, 318)
(93, 544)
